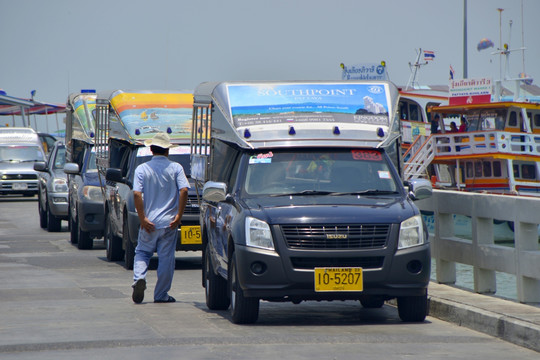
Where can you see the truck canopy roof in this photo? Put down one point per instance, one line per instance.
(18, 135)
(80, 109)
(303, 113)
(136, 115)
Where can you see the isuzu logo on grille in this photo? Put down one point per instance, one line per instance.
(336, 236)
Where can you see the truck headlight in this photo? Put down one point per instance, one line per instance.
(411, 232)
(60, 185)
(92, 193)
(258, 234)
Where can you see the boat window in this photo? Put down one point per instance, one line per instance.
(516, 171)
(513, 120)
(499, 121)
(414, 112)
(403, 111)
(487, 168)
(478, 169)
(488, 124)
(497, 169)
(428, 107)
(528, 172)
(469, 169)
(473, 120)
(537, 121)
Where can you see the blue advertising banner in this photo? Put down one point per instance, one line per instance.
(258, 104)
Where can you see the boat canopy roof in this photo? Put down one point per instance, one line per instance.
(302, 113)
(139, 114)
(463, 109)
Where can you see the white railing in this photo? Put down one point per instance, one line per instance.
(418, 157)
(482, 142)
(422, 151)
(486, 257)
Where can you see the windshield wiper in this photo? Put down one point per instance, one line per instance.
(31, 160)
(305, 192)
(366, 192)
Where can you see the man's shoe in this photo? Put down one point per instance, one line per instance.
(168, 300)
(138, 291)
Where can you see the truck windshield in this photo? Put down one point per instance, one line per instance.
(332, 172)
(21, 153)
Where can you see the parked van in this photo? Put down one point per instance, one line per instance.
(302, 197)
(20, 148)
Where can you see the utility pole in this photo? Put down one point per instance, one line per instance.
(465, 71)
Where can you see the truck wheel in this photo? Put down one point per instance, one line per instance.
(113, 244)
(42, 215)
(215, 288)
(244, 310)
(129, 256)
(85, 241)
(73, 229)
(412, 308)
(372, 302)
(53, 224)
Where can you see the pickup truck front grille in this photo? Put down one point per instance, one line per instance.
(192, 206)
(364, 236)
(19, 177)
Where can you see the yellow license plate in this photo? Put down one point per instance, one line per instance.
(339, 279)
(190, 235)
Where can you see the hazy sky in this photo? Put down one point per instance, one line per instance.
(61, 46)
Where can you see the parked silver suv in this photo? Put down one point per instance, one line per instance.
(53, 189)
(19, 149)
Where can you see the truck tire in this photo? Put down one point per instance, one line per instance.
(85, 241)
(42, 214)
(215, 288)
(53, 223)
(412, 308)
(73, 229)
(129, 256)
(113, 244)
(244, 310)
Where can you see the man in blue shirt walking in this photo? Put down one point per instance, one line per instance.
(160, 192)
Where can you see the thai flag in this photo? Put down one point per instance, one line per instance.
(451, 73)
(429, 55)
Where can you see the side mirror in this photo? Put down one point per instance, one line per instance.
(214, 191)
(114, 175)
(419, 189)
(40, 166)
(71, 168)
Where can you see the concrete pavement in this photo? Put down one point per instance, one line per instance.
(508, 320)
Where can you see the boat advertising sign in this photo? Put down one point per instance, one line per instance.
(470, 91)
(278, 103)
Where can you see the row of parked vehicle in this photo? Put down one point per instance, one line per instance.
(87, 179)
(71, 193)
(301, 192)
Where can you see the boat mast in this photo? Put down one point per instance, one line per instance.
(412, 84)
